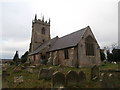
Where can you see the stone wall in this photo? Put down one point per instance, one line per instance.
(88, 60)
(58, 57)
(77, 55)
(37, 36)
(35, 59)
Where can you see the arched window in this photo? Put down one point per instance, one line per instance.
(89, 45)
(43, 30)
(66, 54)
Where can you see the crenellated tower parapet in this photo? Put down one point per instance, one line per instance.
(40, 32)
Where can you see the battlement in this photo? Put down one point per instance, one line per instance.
(41, 21)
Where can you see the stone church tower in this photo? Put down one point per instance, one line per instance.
(40, 33)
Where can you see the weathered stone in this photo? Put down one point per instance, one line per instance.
(109, 80)
(82, 76)
(4, 68)
(17, 69)
(94, 73)
(23, 67)
(50, 73)
(113, 81)
(43, 74)
(32, 66)
(18, 79)
(26, 64)
(104, 82)
(49, 61)
(60, 68)
(37, 66)
(58, 80)
(72, 78)
(30, 70)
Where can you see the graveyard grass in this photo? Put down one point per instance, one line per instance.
(31, 79)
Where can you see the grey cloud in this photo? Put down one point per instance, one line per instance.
(15, 22)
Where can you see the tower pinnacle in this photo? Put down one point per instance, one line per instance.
(49, 21)
(35, 16)
(43, 18)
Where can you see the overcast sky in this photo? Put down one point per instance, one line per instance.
(66, 16)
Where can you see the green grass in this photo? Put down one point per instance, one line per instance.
(31, 79)
(109, 66)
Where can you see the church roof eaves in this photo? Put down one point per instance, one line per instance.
(44, 45)
(70, 40)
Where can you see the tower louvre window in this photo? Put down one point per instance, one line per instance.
(43, 30)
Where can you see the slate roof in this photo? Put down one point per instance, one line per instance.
(56, 43)
(44, 45)
(69, 40)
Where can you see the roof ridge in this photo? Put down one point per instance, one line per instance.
(74, 32)
(69, 40)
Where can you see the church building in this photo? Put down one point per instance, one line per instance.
(77, 49)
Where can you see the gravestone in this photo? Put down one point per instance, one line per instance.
(17, 69)
(94, 73)
(108, 81)
(72, 78)
(82, 76)
(26, 64)
(30, 70)
(18, 79)
(112, 81)
(60, 68)
(43, 74)
(23, 67)
(4, 68)
(58, 80)
(104, 82)
(50, 73)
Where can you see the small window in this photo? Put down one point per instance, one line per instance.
(66, 54)
(43, 30)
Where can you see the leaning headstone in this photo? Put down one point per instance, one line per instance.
(32, 67)
(104, 81)
(23, 67)
(82, 76)
(108, 81)
(72, 78)
(58, 80)
(26, 64)
(17, 69)
(60, 68)
(112, 81)
(4, 68)
(43, 74)
(30, 70)
(50, 73)
(94, 73)
(18, 79)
